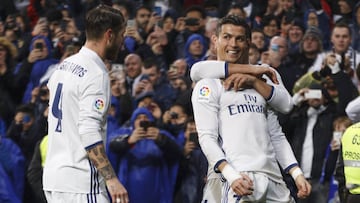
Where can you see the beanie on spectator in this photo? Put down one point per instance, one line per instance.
(313, 32)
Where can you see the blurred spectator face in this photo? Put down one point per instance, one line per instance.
(341, 39)
(344, 7)
(281, 50)
(20, 22)
(258, 39)
(139, 118)
(272, 5)
(264, 58)
(3, 53)
(311, 45)
(178, 115)
(357, 15)
(142, 17)
(117, 81)
(71, 32)
(238, 12)
(254, 56)
(2, 28)
(153, 73)
(181, 66)
(286, 4)
(313, 19)
(12, 30)
(196, 48)
(295, 34)
(197, 15)
(271, 29)
(132, 66)
(180, 84)
(54, 26)
(115, 87)
(168, 24)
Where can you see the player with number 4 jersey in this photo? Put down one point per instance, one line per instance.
(76, 167)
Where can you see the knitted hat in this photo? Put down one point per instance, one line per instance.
(313, 32)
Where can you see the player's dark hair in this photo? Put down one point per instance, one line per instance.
(102, 18)
(234, 20)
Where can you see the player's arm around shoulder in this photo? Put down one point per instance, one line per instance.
(208, 69)
(99, 158)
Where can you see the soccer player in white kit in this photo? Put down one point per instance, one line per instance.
(76, 167)
(247, 157)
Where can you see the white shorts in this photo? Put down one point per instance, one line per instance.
(212, 191)
(265, 191)
(66, 197)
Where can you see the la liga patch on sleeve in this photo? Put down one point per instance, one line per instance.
(204, 94)
(99, 105)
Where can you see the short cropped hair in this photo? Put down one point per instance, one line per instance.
(234, 20)
(101, 18)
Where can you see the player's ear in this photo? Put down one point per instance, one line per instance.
(214, 39)
(109, 34)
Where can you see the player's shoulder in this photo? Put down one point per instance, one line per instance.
(209, 81)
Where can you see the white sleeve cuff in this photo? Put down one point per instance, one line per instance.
(230, 174)
(296, 173)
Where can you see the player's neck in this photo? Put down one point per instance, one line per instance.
(97, 47)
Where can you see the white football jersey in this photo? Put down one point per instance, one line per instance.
(79, 100)
(251, 135)
(240, 119)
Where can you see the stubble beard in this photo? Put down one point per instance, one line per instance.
(112, 52)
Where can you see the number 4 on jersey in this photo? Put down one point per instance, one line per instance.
(56, 107)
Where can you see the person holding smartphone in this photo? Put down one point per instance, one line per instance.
(145, 158)
(309, 129)
(193, 167)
